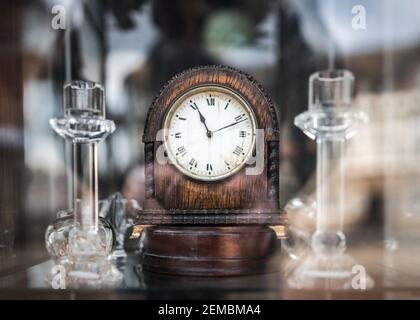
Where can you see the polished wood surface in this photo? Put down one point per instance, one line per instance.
(208, 251)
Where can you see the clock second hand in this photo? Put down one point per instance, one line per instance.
(230, 125)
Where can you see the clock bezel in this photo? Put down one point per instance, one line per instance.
(175, 106)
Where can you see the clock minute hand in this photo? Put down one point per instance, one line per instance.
(230, 125)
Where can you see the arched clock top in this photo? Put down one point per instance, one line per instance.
(239, 82)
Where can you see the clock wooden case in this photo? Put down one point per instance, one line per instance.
(222, 221)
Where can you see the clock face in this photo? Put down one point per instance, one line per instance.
(209, 133)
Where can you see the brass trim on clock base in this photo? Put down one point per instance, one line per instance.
(207, 251)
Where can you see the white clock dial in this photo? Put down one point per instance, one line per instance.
(209, 133)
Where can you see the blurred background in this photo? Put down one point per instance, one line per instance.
(134, 47)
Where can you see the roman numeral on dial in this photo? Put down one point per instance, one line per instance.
(210, 101)
(240, 117)
(209, 168)
(193, 105)
(193, 163)
(238, 150)
(181, 151)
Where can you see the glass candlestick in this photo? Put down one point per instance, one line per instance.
(84, 124)
(330, 120)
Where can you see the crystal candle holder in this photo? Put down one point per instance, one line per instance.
(88, 247)
(330, 120)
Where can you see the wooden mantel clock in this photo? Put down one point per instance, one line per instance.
(206, 212)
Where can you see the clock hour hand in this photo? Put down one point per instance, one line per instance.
(230, 125)
(203, 121)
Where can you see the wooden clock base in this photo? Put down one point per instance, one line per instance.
(207, 251)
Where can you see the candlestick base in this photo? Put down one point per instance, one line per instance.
(336, 271)
(57, 235)
(86, 273)
(86, 262)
